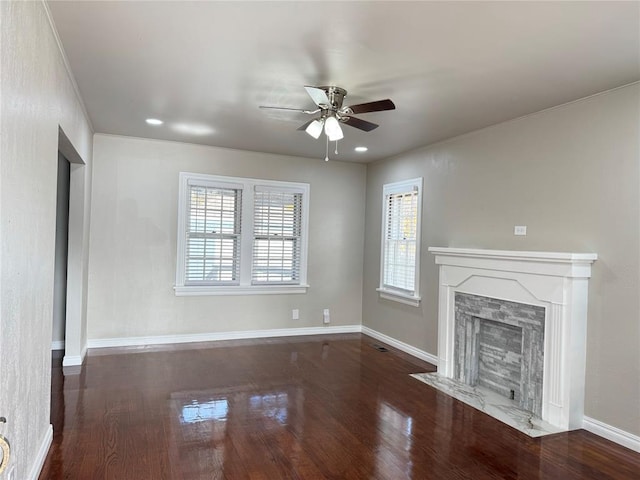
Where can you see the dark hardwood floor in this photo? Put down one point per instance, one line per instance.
(305, 407)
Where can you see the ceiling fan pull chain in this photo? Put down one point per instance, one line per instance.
(336, 147)
(326, 155)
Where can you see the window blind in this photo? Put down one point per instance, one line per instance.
(213, 235)
(277, 236)
(400, 240)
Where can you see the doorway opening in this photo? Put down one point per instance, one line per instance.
(61, 255)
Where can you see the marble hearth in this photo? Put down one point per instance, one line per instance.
(513, 322)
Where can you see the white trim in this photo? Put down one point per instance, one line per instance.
(71, 360)
(532, 256)
(414, 184)
(74, 360)
(37, 465)
(248, 187)
(249, 334)
(57, 345)
(614, 434)
(405, 347)
(212, 337)
(195, 290)
(412, 300)
(213, 182)
(402, 186)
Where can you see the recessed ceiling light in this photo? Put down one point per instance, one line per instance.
(154, 121)
(361, 149)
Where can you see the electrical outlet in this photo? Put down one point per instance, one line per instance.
(520, 230)
(326, 316)
(295, 314)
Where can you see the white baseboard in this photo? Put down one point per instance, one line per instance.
(71, 360)
(405, 347)
(38, 463)
(212, 337)
(614, 434)
(74, 360)
(57, 345)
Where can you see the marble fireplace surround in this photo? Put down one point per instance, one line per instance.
(499, 345)
(554, 280)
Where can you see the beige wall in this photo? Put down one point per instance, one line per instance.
(571, 174)
(133, 241)
(37, 97)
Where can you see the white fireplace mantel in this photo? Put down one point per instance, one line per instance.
(554, 280)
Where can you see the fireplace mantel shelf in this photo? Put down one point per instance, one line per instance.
(559, 264)
(562, 257)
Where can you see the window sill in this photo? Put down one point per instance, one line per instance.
(195, 290)
(412, 300)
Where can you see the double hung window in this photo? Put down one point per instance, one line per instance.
(241, 236)
(212, 242)
(400, 249)
(277, 235)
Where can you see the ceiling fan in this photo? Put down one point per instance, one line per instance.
(329, 100)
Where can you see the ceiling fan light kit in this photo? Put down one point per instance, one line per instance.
(332, 129)
(329, 100)
(315, 128)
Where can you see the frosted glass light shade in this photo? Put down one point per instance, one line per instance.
(332, 129)
(314, 129)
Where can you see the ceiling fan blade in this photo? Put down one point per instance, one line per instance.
(318, 96)
(360, 124)
(378, 106)
(301, 110)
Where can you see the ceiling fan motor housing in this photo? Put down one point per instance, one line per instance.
(336, 96)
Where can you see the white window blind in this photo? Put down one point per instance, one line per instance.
(401, 238)
(213, 235)
(241, 236)
(277, 242)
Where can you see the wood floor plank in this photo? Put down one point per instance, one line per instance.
(322, 407)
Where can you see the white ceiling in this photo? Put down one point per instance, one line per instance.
(450, 67)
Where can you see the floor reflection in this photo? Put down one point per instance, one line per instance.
(201, 412)
(395, 440)
(273, 405)
(212, 430)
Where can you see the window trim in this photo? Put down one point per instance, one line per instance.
(245, 287)
(297, 239)
(216, 184)
(399, 295)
